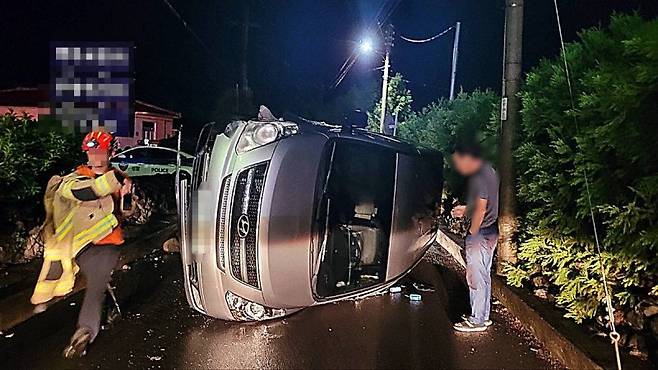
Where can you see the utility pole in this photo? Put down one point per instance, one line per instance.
(455, 54)
(388, 45)
(509, 117)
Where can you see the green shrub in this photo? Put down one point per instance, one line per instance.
(471, 117)
(398, 98)
(30, 152)
(615, 78)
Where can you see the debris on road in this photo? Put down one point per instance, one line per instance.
(171, 245)
(421, 287)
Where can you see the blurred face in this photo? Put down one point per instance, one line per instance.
(466, 164)
(98, 160)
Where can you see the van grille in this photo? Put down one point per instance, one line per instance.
(221, 223)
(244, 224)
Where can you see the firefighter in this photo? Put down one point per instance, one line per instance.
(82, 232)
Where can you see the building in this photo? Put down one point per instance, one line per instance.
(151, 124)
(34, 101)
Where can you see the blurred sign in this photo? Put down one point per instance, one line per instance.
(391, 124)
(503, 109)
(390, 121)
(91, 86)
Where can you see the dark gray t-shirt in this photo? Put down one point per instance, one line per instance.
(484, 185)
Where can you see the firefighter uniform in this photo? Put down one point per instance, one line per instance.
(81, 230)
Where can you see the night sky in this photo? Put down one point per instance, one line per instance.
(296, 47)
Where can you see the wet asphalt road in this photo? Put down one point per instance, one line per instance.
(388, 331)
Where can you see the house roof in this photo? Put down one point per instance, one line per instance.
(143, 107)
(25, 96)
(40, 97)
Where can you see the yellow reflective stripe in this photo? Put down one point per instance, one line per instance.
(103, 184)
(94, 231)
(66, 220)
(84, 241)
(64, 232)
(64, 227)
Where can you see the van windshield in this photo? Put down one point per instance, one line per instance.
(354, 217)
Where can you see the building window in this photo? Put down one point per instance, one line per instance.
(148, 130)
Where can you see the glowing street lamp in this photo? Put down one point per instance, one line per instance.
(366, 46)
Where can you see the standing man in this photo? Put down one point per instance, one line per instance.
(482, 211)
(82, 232)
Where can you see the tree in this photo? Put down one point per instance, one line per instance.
(30, 152)
(610, 136)
(470, 117)
(398, 99)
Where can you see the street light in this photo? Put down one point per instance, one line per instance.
(366, 47)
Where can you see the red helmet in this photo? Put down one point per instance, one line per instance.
(97, 140)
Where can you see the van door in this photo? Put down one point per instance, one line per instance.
(416, 202)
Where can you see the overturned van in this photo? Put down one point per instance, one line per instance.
(282, 215)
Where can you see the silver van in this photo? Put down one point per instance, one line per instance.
(281, 215)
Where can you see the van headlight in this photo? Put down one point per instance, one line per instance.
(246, 310)
(257, 134)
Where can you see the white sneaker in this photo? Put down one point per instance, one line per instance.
(487, 323)
(468, 326)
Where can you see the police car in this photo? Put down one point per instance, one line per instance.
(150, 160)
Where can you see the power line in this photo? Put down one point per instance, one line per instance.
(386, 9)
(614, 335)
(416, 41)
(348, 65)
(188, 28)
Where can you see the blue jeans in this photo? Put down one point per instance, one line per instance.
(479, 255)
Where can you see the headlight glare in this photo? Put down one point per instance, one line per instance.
(257, 134)
(265, 134)
(255, 310)
(245, 310)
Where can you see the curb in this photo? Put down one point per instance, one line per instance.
(17, 309)
(556, 343)
(562, 338)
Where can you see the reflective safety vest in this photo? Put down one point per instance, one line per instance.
(79, 211)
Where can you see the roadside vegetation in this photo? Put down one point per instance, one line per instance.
(398, 100)
(30, 153)
(470, 117)
(611, 135)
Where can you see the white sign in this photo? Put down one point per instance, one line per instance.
(503, 109)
